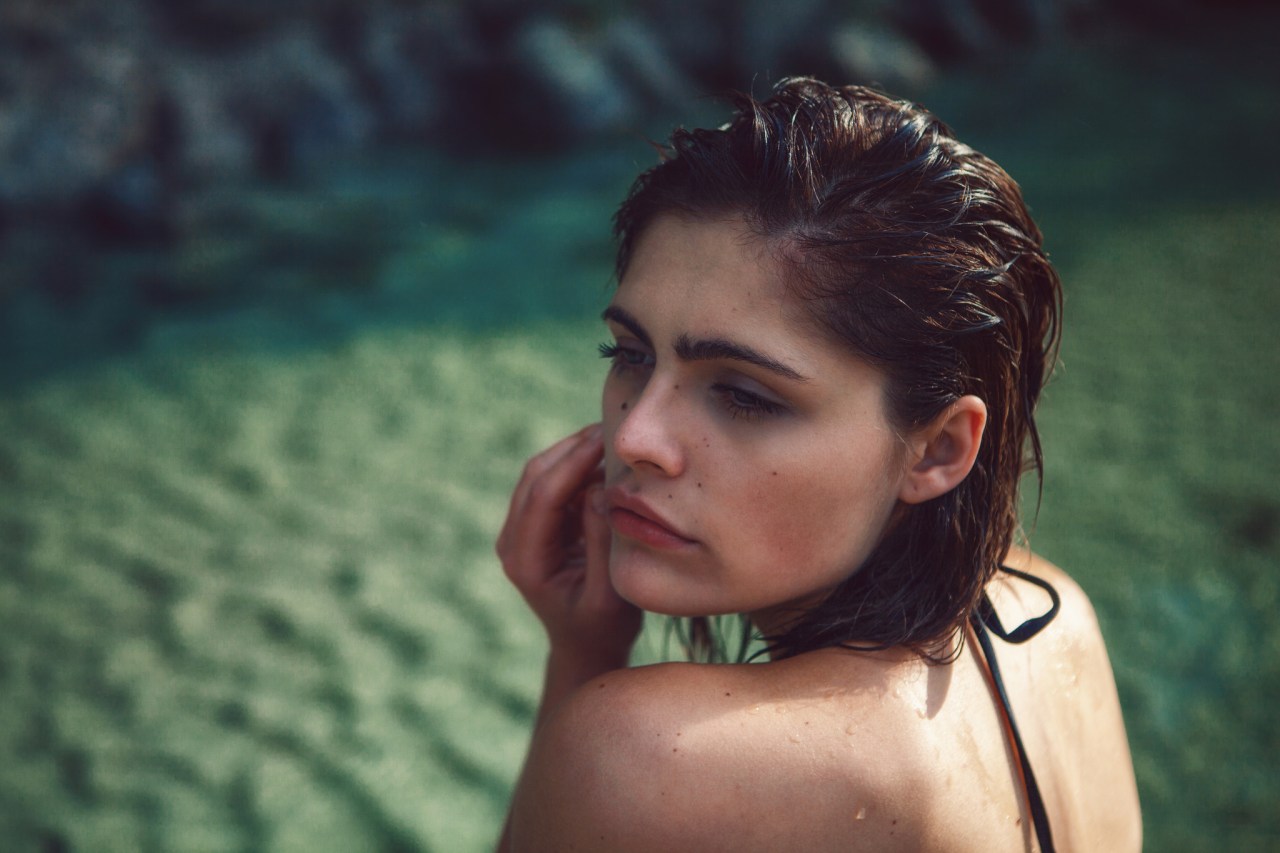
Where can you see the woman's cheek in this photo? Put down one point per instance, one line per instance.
(829, 516)
(614, 404)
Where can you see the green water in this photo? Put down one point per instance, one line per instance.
(248, 597)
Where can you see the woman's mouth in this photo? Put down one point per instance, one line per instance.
(633, 519)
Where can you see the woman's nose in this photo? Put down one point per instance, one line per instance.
(647, 436)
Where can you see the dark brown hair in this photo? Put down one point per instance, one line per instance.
(918, 254)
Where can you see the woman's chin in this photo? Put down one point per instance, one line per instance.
(665, 593)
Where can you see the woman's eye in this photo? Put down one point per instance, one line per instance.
(740, 403)
(624, 357)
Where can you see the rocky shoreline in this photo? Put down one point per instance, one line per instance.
(141, 141)
(113, 114)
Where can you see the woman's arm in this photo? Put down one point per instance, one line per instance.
(554, 548)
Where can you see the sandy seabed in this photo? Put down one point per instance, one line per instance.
(249, 601)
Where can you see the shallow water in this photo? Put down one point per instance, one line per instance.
(248, 597)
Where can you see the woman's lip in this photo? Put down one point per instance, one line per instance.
(631, 517)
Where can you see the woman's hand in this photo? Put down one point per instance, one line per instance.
(554, 547)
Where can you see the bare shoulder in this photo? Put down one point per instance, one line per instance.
(1066, 700)
(1015, 600)
(622, 765)
(835, 750)
(688, 756)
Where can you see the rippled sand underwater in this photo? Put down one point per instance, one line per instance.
(248, 599)
(250, 603)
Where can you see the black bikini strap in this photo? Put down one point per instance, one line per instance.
(1032, 626)
(984, 618)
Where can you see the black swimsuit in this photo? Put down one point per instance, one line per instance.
(984, 619)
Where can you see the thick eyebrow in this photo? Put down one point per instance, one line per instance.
(705, 349)
(623, 318)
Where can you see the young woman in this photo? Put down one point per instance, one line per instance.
(831, 327)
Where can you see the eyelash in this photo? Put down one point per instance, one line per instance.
(619, 355)
(739, 404)
(744, 405)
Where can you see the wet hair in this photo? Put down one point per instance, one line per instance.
(918, 255)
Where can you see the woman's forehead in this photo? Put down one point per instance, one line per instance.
(718, 274)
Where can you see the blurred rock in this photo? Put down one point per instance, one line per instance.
(214, 144)
(132, 207)
(948, 30)
(643, 62)
(878, 55)
(567, 89)
(75, 112)
(115, 116)
(284, 99)
(403, 57)
(697, 38)
(743, 44)
(225, 24)
(771, 40)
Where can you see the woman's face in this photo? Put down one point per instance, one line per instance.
(749, 461)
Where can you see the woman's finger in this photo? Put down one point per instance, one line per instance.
(550, 488)
(617, 620)
(533, 468)
(597, 537)
(537, 526)
(539, 464)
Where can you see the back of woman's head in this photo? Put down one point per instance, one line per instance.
(917, 254)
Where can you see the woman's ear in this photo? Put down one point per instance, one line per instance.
(942, 453)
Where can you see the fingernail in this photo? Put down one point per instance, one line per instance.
(594, 431)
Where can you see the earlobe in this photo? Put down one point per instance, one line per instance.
(943, 453)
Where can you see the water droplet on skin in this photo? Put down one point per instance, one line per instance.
(794, 738)
(862, 814)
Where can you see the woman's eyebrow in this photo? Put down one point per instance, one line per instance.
(704, 349)
(631, 324)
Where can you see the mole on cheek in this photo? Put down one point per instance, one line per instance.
(624, 406)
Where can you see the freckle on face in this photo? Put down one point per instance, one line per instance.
(624, 407)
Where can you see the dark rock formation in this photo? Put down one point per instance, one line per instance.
(115, 117)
